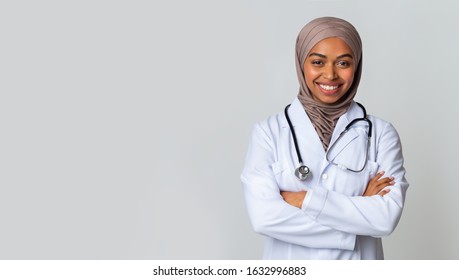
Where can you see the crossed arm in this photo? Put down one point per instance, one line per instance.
(322, 223)
(376, 186)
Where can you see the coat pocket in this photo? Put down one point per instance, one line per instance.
(284, 176)
(348, 182)
(371, 169)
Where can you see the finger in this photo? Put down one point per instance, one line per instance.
(377, 176)
(386, 181)
(377, 188)
(390, 178)
(384, 192)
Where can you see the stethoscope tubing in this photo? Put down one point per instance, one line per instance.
(303, 176)
(295, 142)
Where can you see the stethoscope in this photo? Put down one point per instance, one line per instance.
(302, 172)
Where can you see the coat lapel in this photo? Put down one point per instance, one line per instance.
(308, 141)
(349, 138)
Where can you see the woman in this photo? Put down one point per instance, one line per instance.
(344, 205)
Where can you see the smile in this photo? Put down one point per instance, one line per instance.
(327, 87)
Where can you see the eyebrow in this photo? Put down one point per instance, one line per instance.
(324, 56)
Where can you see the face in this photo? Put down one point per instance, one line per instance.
(329, 70)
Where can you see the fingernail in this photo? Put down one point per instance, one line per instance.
(381, 172)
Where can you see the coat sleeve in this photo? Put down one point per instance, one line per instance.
(375, 216)
(270, 214)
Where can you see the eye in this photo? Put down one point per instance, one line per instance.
(343, 64)
(317, 62)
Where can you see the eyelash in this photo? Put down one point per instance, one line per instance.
(339, 63)
(343, 64)
(317, 62)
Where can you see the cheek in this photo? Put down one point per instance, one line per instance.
(348, 77)
(310, 75)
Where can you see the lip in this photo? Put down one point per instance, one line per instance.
(327, 91)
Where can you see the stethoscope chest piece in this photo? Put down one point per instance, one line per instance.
(302, 172)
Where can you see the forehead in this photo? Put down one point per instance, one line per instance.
(332, 46)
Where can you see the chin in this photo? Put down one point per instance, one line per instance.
(330, 99)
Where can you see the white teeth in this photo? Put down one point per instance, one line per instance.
(325, 87)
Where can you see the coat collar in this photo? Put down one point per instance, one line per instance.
(354, 112)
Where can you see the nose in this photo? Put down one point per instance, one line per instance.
(330, 72)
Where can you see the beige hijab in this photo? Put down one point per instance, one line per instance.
(325, 116)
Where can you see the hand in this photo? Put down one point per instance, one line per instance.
(376, 185)
(294, 198)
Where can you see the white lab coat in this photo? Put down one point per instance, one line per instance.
(336, 221)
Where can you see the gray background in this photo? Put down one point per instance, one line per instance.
(124, 124)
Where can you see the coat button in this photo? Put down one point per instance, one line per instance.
(325, 176)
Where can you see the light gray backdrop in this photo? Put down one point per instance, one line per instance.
(124, 124)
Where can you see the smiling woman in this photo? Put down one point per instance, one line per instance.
(337, 209)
